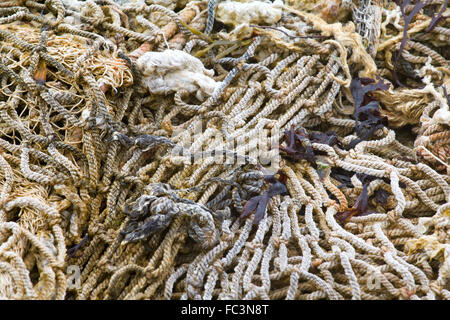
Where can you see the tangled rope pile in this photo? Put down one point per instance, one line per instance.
(111, 166)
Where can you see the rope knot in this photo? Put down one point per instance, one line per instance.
(57, 265)
(255, 85)
(392, 217)
(252, 246)
(39, 48)
(218, 266)
(352, 153)
(54, 220)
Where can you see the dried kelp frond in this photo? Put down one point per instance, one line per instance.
(437, 17)
(367, 114)
(258, 204)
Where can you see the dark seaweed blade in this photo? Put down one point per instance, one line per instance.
(436, 18)
(417, 7)
(362, 202)
(369, 120)
(366, 178)
(258, 204)
(359, 208)
(365, 131)
(370, 114)
(277, 188)
(330, 138)
(407, 18)
(261, 209)
(367, 113)
(250, 206)
(343, 176)
(361, 89)
(446, 95)
(298, 146)
(289, 136)
(344, 216)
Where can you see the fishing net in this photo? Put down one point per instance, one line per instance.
(224, 149)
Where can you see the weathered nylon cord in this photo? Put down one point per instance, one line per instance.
(140, 193)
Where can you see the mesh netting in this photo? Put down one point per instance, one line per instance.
(140, 157)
